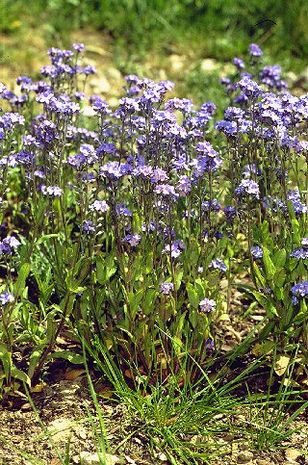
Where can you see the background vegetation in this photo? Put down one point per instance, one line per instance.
(137, 29)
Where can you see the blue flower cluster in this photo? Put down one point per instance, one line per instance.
(157, 186)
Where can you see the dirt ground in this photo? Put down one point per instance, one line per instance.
(64, 414)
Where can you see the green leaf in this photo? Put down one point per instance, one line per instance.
(34, 359)
(303, 312)
(193, 296)
(265, 302)
(279, 279)
(149, 263)
(180, 325)
(268, 264)
(18, 374)
(77, 289)
(149, 301)
(134, 301)
(21, 280)
(105, 268)
(295, 229)
(259, 275)
(279, 258)
(46, 237)
(200, 287)
(178, 278)
(72, 357)
(51, 325)
(6, 359)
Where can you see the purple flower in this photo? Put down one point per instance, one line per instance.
(128, 105)
(106, 147)
(251, 169)
(88, 227)
(87, 70)
(149, 228)
(228, 128)
(100, 206)
(166, 288)
(247, 187)
(122, 210)
(234, 113)
(218, 264)
(88, 177)
(300, 253)
(52, 191)
(207, 305)
(207, 159)
(181, 104)
(166, 190)
(6, 297)
(77, 161)
(183, 186)
(99, 105)
(230, 213)
(300, 289)
(295, 198)
(299, 207)
(271, 76)
(209, 344)
(159, 175)
(238, 62)
(175, 248)
(9, 120)
(45, 131)
(12, 242)
(255, 50)
(211, 205)
(132, 239)
(249, 87)
(87, 156)
(78, 47)
(115, 170)
(5, 249)
(256, 252)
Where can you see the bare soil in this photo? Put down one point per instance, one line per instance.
(64, 414)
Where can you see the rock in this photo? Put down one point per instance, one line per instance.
(302, 79)
(100, 85)
(162, 75)
(88, 111)
(113, 102)
(245, 456)
(130, 460)
(82, 433)
(162, 457)
(60, 429)
(86, 458)
(26, 407)
(209, 65)
(292, 455)
(227, 69)
(113, 74)
(291, 77)
(177, 63)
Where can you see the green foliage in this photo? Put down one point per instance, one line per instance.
(227, 27)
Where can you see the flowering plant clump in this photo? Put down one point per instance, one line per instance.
(123, 225)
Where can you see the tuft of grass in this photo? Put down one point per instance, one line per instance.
(184, 423)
